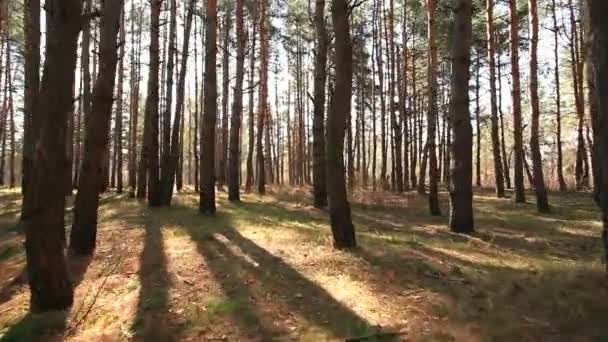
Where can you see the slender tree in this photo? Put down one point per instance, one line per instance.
(461, 188)
(262, 99)
(207, 184)
(234, 159)
(318, 172)
(558, 101)
(119, 105)
(84, 228)
(542, 201)
(433, 110)
(43, 220)
(520, 195)
(498, 167)
(340, 104)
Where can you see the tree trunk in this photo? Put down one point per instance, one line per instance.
(477, 118)
(520, 196)
(118, 119)
(558, 102)
(318, 173)
(150, 148)
(84, 228)
(207, 194)
(263, 100)
(597, 11)
(340, 104)
(134, 100)
(249, 176)
(234, 160)
(432, 114)
(461, 188)
(43, 220)
(542, 202)
(498, 167)
(225, 96)
(31, 23)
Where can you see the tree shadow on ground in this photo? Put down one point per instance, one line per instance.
(263, 283)
(48, 326)
(152, 321)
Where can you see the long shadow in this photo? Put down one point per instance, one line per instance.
(152, 319)
(50, 326)
(286, 285)
(552, 302)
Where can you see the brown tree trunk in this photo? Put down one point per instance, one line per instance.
(234, 159)
(134, 99)
(558, 102)
(542, 202)
(84, 228)
(461, 188)
(43, 220)
(249, 175)
(225, 96)
(119, 103)
(150, 148)
(166, 180)
(477, 118)
(263, 100)
(498, 166)
(598, 10)
(340, 104)
(432, 114)
(318, 173)
(31, 23)
(207, 194)
(176, 145)
(520, 196)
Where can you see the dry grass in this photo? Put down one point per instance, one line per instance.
(264, 270)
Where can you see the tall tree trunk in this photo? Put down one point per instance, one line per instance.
(397, 130)
(597, 12)
(542, 202)
(118, 119)
(477, 117)
(150, 148)
(340, 104)
(503, 145)
(175, 150)
(498, 167)
(134, 100)
(461, 188)
(432, 114)
(380, 65)
(520, 196)
(225, 96)
(558, 101)
(31, 24)
(249, 176)
(263, 99)
(167, 179)
(318, 173)
(43, 220)
(84, 228)
(207, 194)
(234, 160)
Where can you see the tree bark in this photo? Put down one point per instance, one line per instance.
(461, 187)
(234, 160)
(542, 201)
(339, 209)
(598, 10)
(263, 100)
(31, 23)
(498, 167)
(119, 104)
(433, 111)
(84, 228)
(207, 194)
(558, 102)
(520, 196)
(318, 173)
(249, 176)
(43, 221)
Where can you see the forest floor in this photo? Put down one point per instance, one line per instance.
(265, 270)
